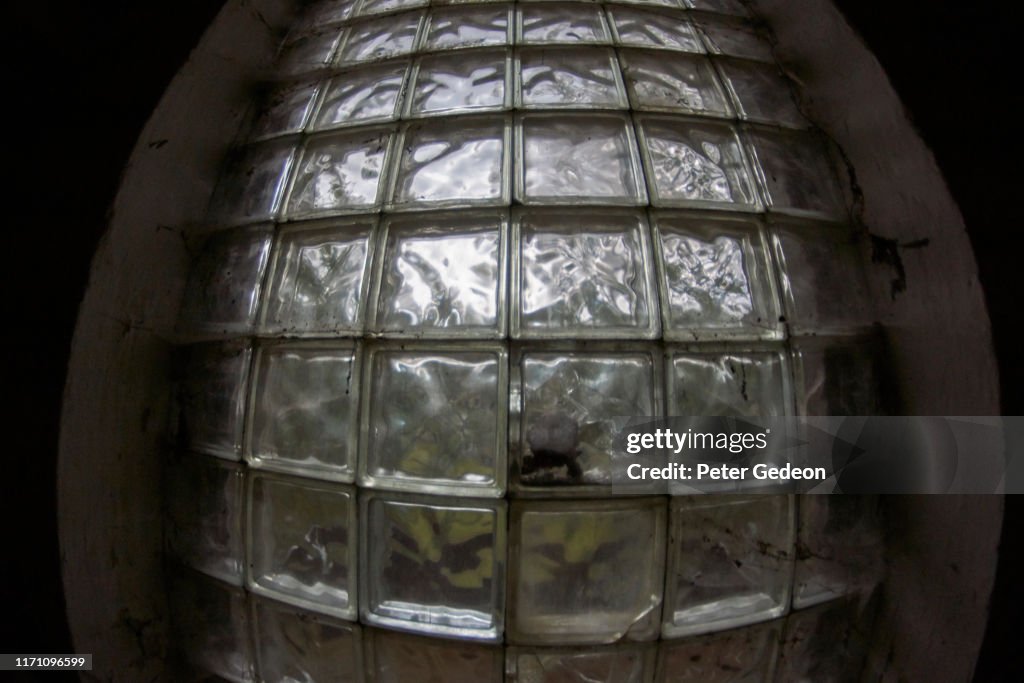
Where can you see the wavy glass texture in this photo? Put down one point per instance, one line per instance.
(761, 93)
(798, 176)
(552, 78)
(339, 173)
(684, 83)
(467, 26)
(561, 23)
(375, 39)
(362, 96)
(310, 52)
(644, 28)
(253, 186)
(371, 7)
(448, 84)
(293, 645)
(728, 383)
(286, 109)
(733, 38)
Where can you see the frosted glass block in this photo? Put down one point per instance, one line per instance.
(308, 53)
(446, 165)
(685, 83)
(223, 286)
(339, 173)
(319, 280)
(462, 82)
(434, 566)
(370, 7)
(825, 644)
(729, 383)
(203, 496)
(582, 273)
(620, 664)
(573, 406)
(731, 7)
(399, 658)
(212, 398)
(561, 23)
(211, 622)
(252, 186)
(361, 96)
(730, 562)
(325, 13)
(838, 376)
(567, 564)
(797, 174)
(572, 78)
(673, 4)
(584, 158)
(434, 418)
(293, 645)
(746, 655)
(304, 409)
(840, 547)
(733, 38)
(468, 26)
(715, 277)
(652, 28)
(286, 109)
(380, 38)
(696, 164)
(761, 93)
(443, 275)
(302, 544)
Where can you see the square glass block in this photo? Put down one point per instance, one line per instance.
(211, 625)
(307, 53)
(370, 7)
(746, 655)
(797, 174)
(588, 157)
(823, 278)
(443, 275)
(839, 376)
(468, 26)
(446, 165)
(302, 543)
(696, 164)
(569, 23)
(212, 398)
(285, 109)
(732, 37)
(252, 186)
(730, 7)
(380, 38)
(572, 78)
(319, 281)
(715, 277)
(581, 273)
(729, 383)
(826, 644)
(304, 409)
(325, 13)
(294, 645)
(203, 527)
(400, 658)
(573, 406)
(224, 283)
(339, 173)
(361, 96)
(569, 562)
(840, 542)
(730, 562)
(434, 567)
(761, 93)
(620, 664)
(462, 82)
(435, 420)
(653, 28)
(685, 83)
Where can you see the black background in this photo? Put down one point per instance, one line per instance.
(80, 80)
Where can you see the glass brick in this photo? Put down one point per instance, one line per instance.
(445, 165)
(361, 96)
(653, 28)
(399, 658)
(294, 645)
(696, 164)
(302, 545)
(370, 7)
(252, 187)
(561, 23)
(304, 408)
(571, 78)
(380, 38)
(716, 278)
(468, 26)
(444, 274)
(286, 109)
(568, 560)
(586, 158)
(685, 83)
(204, 514)
(730, 562)
(826, 644)
(573, 406)
(731, 7)
(308, 53)
(733, 38)
(582, 273)
(212, 398)
(433, 566)
(674, 4)
(339, 173)
(461, 82)
(319, 281)
(732, 383)
(746, 655)
(620, 664)
(839, 548)
(761, 93)
(326, 13)
(434, 419)
(797, 174)
(838, 376)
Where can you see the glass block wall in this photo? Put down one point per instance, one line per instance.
(457, 243)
